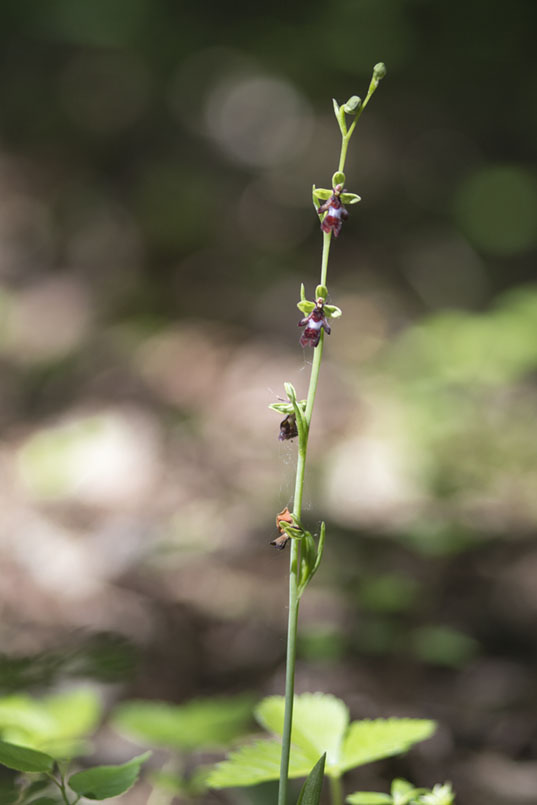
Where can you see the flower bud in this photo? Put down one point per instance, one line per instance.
(379, 71)
(352, 105)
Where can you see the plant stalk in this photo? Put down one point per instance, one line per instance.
(294, 561)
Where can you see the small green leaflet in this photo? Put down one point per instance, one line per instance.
(199, 723)
(256, 763)
(102, 782)
(367, 741)
(319, 723)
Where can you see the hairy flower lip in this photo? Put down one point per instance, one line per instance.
(314, 323)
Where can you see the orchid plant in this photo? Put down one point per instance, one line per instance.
(313, 728)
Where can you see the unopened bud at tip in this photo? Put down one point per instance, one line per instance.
(379, 71)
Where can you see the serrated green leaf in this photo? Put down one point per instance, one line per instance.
(103, 782)
(369, 798)
(199, 723)
(312, 788)
(367, 740)
(20, 758)
(256, 763)
(319, 723)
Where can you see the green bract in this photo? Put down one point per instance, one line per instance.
(311, 790)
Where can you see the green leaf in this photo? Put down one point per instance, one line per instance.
(319, 724)
(256, 763)
(102, 782)
(404, 792)
(199, 723)
(369, 798)
(311, 790)
(54, 724)
(20, 758)
(400, 786)
(367, 741)
(336, 107)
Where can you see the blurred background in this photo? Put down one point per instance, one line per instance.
(156, 163)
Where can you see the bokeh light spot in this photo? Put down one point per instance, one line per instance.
(497, 209)
(258, 120)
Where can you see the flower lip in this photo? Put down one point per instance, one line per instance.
(314, 323)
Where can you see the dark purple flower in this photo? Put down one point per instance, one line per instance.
(335, 212)
(314, 324)
(288, 428)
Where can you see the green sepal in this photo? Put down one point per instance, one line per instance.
(321, 291)
(321, 193)
(333, 311)
(336, 108)
(302, 292)
(286, 407)
(352, 105)
(350, 198)
(338, 178)
(306, 307)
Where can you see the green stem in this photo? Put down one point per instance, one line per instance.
(61, 785)
(294, 560)
(336, 791)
